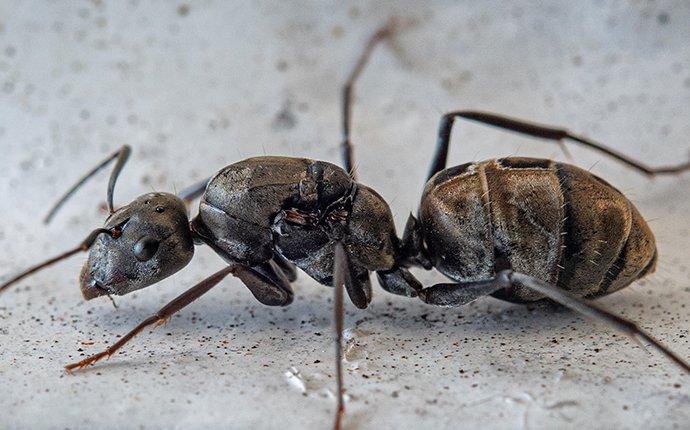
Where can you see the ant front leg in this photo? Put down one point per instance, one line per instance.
(159, 317)
(289, 269)
(536, 130)
(266, 283)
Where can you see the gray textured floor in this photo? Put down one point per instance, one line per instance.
(193, 88)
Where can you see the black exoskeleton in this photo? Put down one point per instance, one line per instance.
(273, 209)
(520, 229)
(265, 214)
(532, 216)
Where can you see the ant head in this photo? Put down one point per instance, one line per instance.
(150, 240)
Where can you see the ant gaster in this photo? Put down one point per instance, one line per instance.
(520, 229)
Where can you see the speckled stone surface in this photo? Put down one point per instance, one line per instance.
(195, 87)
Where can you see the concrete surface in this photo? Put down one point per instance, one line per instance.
(193, 87)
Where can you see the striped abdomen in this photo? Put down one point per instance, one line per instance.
(550, 220)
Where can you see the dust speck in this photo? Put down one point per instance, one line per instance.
(183, 10)
(663, 18)
(337, 32)
(285, 119)
(219, 123)
(281, 65)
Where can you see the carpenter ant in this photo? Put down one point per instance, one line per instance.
(519, 229)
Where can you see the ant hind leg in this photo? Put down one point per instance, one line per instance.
(535, 130)
(456, 294)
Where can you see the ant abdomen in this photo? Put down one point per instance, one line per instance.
(550, 220)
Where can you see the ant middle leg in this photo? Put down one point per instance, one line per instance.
(347, 91)
(399, 281)
(341, 276)
(462, 293)
(536, 130)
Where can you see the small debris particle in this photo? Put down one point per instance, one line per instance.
(183, 10)
(663, 18)
(285, 119)
(337, 32)
(281, 65)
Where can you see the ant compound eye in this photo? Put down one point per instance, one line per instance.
(146, 248)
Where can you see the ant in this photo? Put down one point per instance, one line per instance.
(519, 229)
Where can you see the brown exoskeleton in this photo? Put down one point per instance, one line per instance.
(519, 229)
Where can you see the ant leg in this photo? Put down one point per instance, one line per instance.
(412, 249)
(193, 191)
(159, 317)
(462, 293)
(268, 283)
(347, 90)
(357, 284)
(595, 312)
(535, 130)
(121, 155)
(341, 271)
(400, 281)
(289, 269)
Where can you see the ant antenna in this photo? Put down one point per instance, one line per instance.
(121, 156)
(82, 247)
